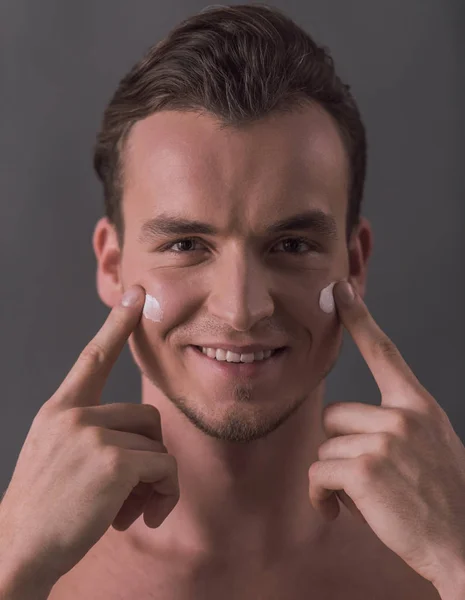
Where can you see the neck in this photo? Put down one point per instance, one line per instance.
(253, 495)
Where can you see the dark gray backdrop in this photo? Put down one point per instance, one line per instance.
(59, 64)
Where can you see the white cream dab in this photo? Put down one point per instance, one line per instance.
(152, 309)
(327, 298)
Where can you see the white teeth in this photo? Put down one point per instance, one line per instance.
(220, 354)
(227, 355)
(233, 357)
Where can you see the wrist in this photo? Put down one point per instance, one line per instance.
(454, 587)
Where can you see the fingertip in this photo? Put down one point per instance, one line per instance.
(133, 296)
(344, 293)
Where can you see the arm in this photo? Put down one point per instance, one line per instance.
(20, 581)
(22, 589)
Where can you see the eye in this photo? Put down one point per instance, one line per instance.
(183, 246)
(289, 246)
(297, 245)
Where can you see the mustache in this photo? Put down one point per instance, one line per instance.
(261, 331)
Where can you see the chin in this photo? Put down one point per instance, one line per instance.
(242, 419)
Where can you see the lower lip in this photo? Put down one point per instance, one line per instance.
(231, 369)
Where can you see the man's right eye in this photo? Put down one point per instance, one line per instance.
(184, 245)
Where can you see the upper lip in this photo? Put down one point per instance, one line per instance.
(249, 348)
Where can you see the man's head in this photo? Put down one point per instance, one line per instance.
(233, 164)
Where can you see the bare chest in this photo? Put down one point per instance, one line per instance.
(384, 580)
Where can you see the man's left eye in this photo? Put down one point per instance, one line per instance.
(296, 246)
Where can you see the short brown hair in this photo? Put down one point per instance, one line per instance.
(238, 63)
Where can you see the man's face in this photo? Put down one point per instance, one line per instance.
(238, 279)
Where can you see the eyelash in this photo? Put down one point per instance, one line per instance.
(312, 245)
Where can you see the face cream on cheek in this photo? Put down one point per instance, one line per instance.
(152, 309)
(327, 298)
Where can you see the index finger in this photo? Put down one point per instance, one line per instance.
(84, 383)
(382, 356)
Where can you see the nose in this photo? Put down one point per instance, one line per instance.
(240, 294)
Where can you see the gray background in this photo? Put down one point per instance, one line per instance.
(59, 64)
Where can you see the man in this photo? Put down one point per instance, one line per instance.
(233, 165)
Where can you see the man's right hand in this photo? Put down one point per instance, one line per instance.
(85, 466)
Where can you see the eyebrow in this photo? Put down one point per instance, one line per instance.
(167, 225)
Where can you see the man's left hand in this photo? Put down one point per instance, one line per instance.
(401, 464)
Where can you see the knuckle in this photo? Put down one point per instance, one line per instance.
(172, 465)
(323, 449)
(113, 459)
(314, 470)
(152, 445)
(367, 468)
(152, 411)
(385, 444)
(431, 410)
(119, 317)
(174, 471)
(401, 424)
(46, 411)
(164, 449)
(94, 355)
(51, 407)
(153, 416)
(94, 438)
(74, 417)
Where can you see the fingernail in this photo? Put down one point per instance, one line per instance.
(327, 298)
(130, 297)
(346, 293)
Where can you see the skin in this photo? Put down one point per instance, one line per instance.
(236, 439)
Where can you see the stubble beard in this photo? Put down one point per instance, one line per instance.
(234, 425)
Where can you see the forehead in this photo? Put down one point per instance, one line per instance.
(186, 162)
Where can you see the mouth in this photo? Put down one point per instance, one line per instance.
(231, 366)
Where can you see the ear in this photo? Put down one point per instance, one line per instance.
(108, 255)
(360, 249)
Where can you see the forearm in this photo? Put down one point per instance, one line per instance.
(23, 586)
(14, 589)
(19, 581)
(21, 592)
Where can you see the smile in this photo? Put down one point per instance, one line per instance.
(228, 356)
(265, 363)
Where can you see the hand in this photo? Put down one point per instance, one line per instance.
(400, 464)
(85, 466)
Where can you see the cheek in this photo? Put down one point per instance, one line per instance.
(169, 299)
(303, 300)
(320, 332)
